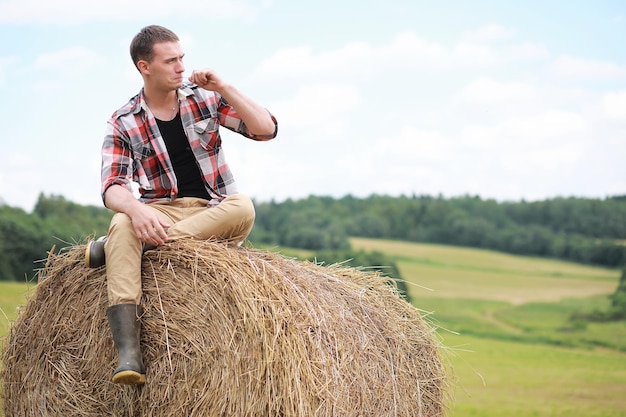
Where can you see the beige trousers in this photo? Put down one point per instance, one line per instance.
(229, 221)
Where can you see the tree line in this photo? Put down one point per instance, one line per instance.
(26, 238)
(590, 231)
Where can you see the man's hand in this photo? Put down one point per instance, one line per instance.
(207, 79)
(148, 226)
(256, 118)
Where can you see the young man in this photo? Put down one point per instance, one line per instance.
(166, 139)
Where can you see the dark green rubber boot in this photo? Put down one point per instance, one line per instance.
(94, 253)
(125, 323)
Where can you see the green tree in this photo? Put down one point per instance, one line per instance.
(373, 261)
(20, 245)
(618, 299)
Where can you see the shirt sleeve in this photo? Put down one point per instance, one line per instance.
(117, 160)
(229, 118)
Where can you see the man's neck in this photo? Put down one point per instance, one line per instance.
(163, 104)
(159, 98)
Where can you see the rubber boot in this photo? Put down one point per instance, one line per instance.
(94, 252)
(125, 323)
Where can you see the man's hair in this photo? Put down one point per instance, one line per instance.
(141, 47)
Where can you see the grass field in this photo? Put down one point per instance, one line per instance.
(505, 323)
(12, 295)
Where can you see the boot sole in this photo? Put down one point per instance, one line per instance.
(88, 255)
(129, 378)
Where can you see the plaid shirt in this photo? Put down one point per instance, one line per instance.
(134, 151)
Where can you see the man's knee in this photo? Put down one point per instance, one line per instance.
(121, 225)
(242, 205)
(120, 220)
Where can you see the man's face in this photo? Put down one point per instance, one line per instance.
(166, 68)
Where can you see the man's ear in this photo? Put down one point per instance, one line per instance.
(143, 67)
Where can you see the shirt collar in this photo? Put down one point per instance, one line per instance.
(183, 92)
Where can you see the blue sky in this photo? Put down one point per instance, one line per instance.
(501, 99)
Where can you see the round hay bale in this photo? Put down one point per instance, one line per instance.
(226, 332)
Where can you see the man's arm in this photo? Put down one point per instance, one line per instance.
(147, 225)
(256, 118)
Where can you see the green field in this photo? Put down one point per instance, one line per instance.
(505, 323)
(12, 295)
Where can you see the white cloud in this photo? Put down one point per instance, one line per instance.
(406, 161)
(301, 62)
(413, 50)
(19, 173)
(316, 105)
(475, 55)
(71, 62)
(547, 125)
(529, 156)
(412, 144)
(355, 60)
(545, 129)
(6, 64)
(527, 148)
(72, 11)
(525, 51)
(405, 51)
(614, 105)
(579, 68)
(51, 71)
(493, 45)
(480, 136)
(490, 33)
(486, 91)
(501, 134)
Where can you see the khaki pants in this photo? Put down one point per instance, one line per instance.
(231, 221)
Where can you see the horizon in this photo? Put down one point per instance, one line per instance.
(3, 203)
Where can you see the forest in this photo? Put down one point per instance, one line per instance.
(583, 230)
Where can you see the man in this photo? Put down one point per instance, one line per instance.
(166, 139)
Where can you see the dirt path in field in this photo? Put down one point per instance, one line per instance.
(491, 318)
(519, 290)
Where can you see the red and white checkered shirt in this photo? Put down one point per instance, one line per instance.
(134, 151)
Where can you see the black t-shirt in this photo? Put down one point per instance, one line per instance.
(188, 175)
